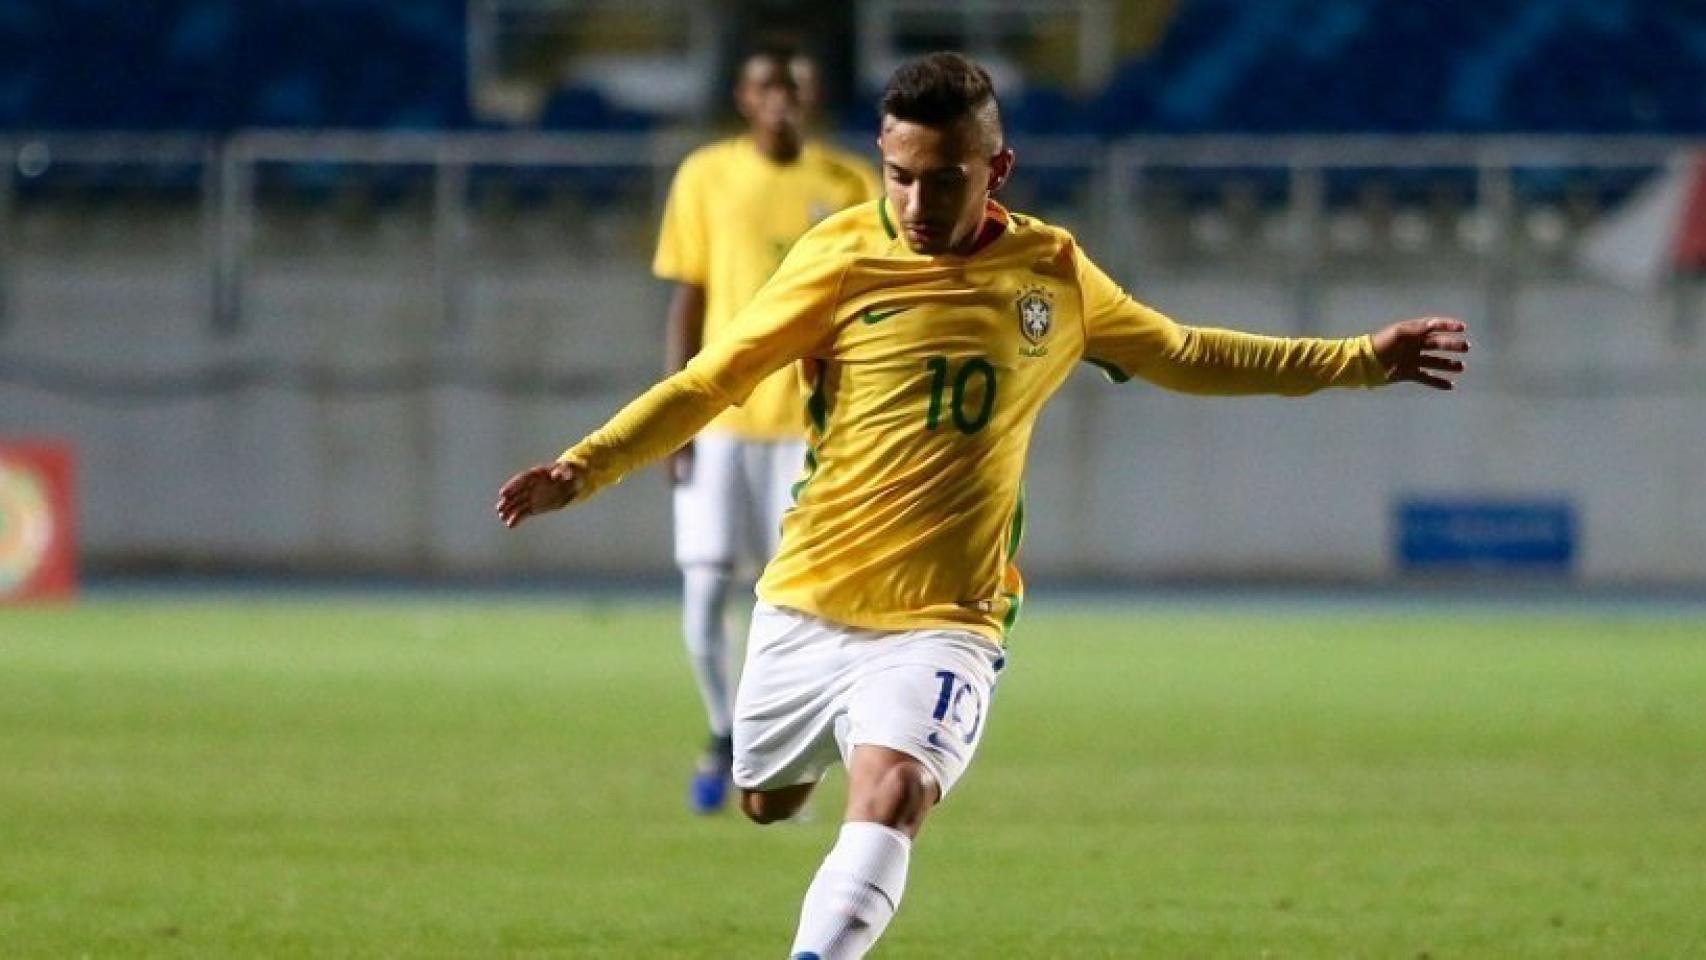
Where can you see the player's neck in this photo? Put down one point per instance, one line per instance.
(777, 147)
(987, 232)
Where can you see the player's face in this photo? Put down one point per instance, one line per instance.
(769, 98)
(938, 180)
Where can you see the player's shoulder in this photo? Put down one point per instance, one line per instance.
(844, 235)
(1041, 240)
(709, 157)
(1033, 229)
(859, 221)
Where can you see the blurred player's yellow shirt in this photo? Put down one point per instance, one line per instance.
(731, 216)
(926, 377)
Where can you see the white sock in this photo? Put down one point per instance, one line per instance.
(854, 894)
(704, 596)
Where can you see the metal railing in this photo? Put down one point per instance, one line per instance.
(1131, 200)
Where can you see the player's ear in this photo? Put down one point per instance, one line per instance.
(1000, 167)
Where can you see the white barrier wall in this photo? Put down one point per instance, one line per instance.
(355, 422)
(1584, 395)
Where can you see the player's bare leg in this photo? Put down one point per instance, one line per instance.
(889, 787)
(774, 806)
(858, 888)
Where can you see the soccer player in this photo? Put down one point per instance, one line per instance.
(932, 325)
(734, 209)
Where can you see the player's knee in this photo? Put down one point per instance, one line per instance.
(901, 795)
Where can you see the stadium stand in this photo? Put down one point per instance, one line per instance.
(207, 65)
(1305, 66)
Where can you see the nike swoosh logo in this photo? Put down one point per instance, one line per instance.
(876, 316)
(939, 745)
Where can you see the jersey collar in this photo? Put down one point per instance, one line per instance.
(996, 222)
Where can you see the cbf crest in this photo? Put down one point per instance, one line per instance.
(1036, 316)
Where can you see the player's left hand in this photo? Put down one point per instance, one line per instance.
(1411, 350)
(541, 489)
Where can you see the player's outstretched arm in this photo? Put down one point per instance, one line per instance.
(787, 320)
(540, 489)
(1414, 350)
(1126, 339)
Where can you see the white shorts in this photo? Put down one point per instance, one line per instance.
(812, 690)
(730, 510)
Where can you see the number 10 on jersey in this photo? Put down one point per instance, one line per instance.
(957, 384)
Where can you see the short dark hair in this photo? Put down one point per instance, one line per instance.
(939, 89)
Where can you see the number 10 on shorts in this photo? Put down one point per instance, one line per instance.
(958, 706)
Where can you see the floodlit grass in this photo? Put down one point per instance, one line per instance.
(396, 778)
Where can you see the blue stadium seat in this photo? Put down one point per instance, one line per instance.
(1222, 66)
(1044, 111)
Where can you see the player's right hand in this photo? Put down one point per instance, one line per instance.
(541, 489)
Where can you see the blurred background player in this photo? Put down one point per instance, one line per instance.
(735, 208)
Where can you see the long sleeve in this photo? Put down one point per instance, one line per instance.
(1125, 339)
(790, 317)
(654, 425)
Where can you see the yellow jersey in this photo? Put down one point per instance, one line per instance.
(731, 216)
(927, 375)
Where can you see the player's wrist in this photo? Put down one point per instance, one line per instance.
(570, 476)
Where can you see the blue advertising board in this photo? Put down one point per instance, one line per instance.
(1480, 533)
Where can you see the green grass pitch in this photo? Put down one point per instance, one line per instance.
(389, 777)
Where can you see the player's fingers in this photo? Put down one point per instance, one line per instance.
(1429, 362)
(509, 497)
(1429, 380)
(516, 483)
(1445, 325)
(1446, 342)
(518, 493)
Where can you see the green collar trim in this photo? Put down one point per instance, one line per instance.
(883, 214)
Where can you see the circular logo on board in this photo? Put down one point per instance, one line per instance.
(26, 525)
